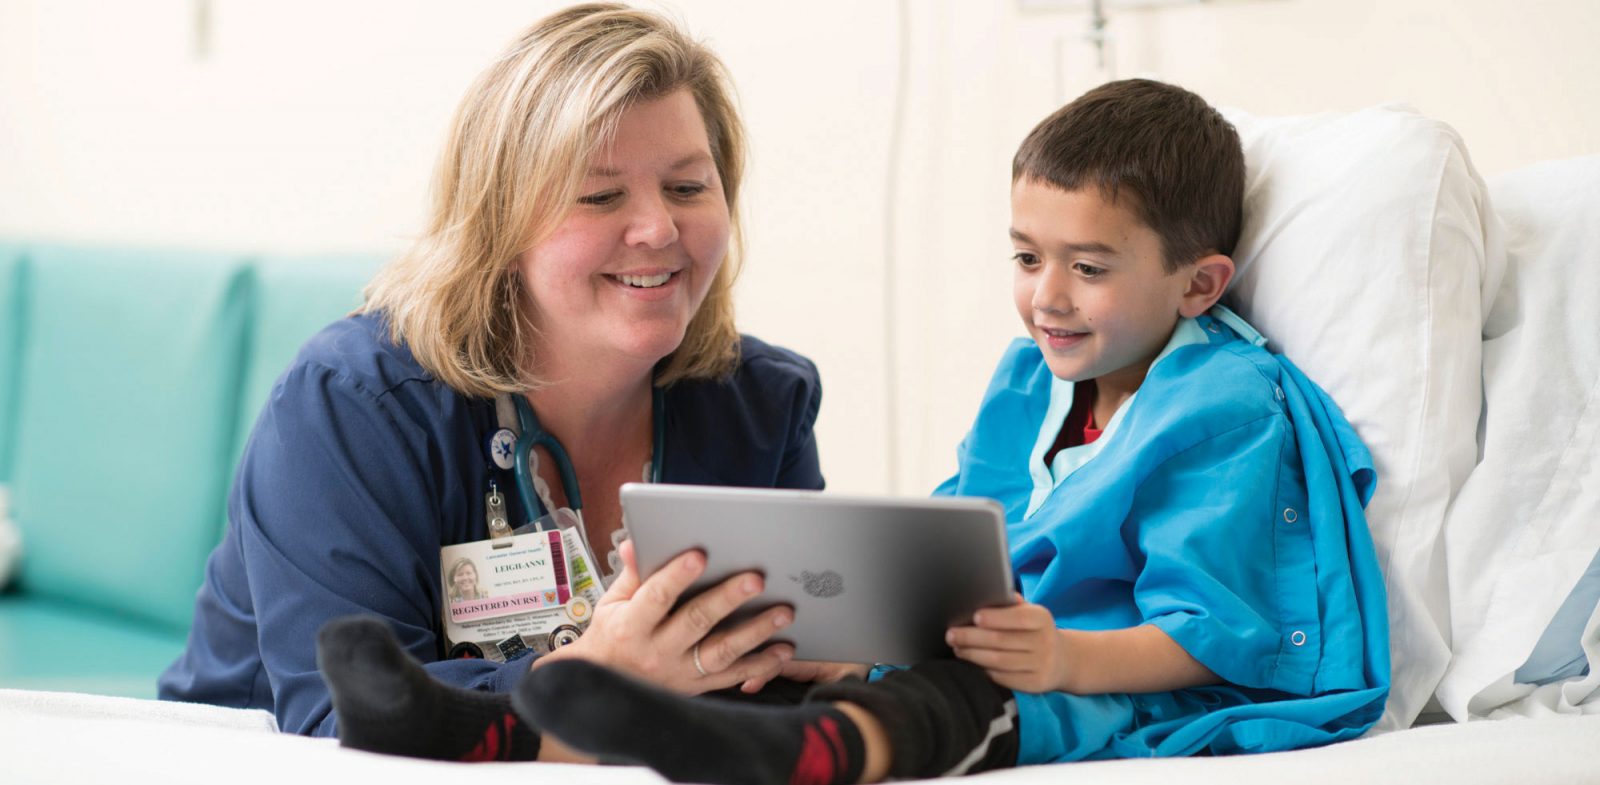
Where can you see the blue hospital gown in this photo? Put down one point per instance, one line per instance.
(1223, 504)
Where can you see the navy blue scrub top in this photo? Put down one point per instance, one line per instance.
(361, 466)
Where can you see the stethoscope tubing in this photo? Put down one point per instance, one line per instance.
(534, 435)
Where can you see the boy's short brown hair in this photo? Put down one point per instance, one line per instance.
(1168, 148)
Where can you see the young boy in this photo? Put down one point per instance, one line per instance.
(1184, 512)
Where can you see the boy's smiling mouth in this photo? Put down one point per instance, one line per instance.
(1057, 338)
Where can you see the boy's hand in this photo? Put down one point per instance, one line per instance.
(1018, 645)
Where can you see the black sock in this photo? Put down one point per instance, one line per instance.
(687, 739)
(386, 702)
(942, 717)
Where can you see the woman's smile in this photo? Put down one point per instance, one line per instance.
(646, 285)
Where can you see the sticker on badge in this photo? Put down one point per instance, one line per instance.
(578, 609)
(585, 583)
(513, 647)
(465, 651)
(562, 636)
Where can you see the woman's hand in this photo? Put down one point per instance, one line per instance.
(813, 671)
(635, 629)
(1018, 645)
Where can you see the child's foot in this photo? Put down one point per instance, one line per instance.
(386, 702)
(686, 739)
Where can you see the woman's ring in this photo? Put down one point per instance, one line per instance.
(697, 665)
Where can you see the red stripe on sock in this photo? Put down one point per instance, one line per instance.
(816, 764)
(489, 748)
(831, 730)
(507, 722)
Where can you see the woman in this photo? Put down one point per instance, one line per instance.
(463, 581)
(580, 254)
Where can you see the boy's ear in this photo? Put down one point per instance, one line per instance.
(1208, 279)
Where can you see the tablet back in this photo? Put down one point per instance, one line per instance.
(871, 579)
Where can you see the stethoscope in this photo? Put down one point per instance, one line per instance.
(511, 447)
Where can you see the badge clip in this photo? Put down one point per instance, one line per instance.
(499, 528)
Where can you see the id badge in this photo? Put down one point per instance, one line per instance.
(503, 600)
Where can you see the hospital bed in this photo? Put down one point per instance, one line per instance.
(1453, 320)
(76, 739)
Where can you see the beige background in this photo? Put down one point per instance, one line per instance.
(310, 125)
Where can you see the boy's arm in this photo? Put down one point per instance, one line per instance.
(1022, 649)
(1136, 659)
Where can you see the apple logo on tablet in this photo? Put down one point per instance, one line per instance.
(820, 584)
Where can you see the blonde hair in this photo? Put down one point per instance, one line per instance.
(516, 156)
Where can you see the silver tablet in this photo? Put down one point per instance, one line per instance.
(871, 579)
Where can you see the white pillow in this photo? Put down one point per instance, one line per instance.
(1527, 524)
(1364, 258)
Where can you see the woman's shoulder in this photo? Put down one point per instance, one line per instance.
(768, 366)
(353, 397)
(354, 362)
(360, 350)
(768, 382)
(750, 421)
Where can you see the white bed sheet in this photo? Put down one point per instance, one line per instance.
(46, 741)
(1524, 527)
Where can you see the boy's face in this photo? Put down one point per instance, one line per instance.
(1090, 284)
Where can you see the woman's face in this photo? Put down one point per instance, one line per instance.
(465, 578)
(630, 265)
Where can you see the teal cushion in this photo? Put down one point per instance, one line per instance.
(126, 423)
(296, 296)
(12, 270)
(48, 645)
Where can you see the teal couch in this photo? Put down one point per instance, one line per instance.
(129, 381)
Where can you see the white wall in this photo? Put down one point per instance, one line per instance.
(313, 126)
(1518, 80)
